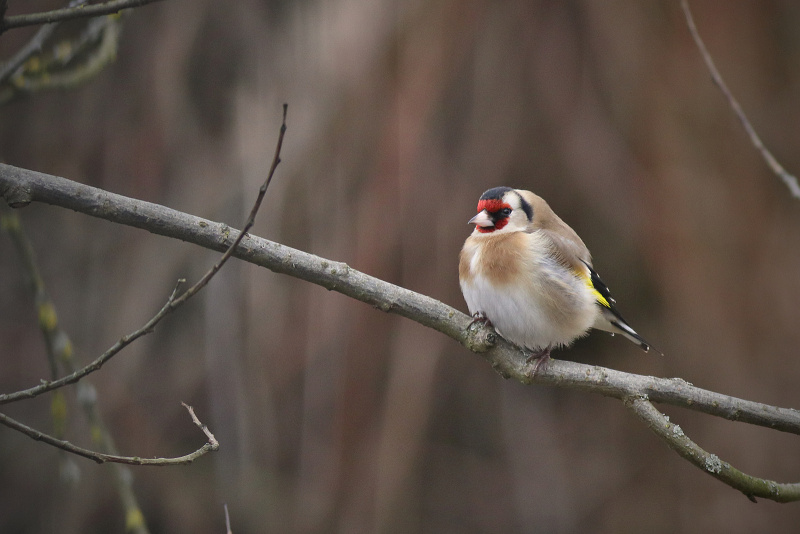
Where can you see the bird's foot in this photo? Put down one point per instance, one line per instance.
(480, 317)
(540, 357)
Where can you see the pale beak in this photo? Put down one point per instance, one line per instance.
(482, 219)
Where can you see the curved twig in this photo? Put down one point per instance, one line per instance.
(789, 179)
(101, 458)
(42, 64)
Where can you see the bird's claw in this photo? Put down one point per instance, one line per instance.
(480, 317)
(540, 357)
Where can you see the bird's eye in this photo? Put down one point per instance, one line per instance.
(505, 212)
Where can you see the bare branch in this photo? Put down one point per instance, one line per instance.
(789, 179)
(678, 441)
(69, 13)
(100, 457)
(20, 187)
(49, 385)
(211, 439)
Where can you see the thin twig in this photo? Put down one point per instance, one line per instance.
(71, 378)
(249, 224)
(211, 439)
(789, 179)
(100, 457)
(69, 13)
(227, 520)
(173, 302)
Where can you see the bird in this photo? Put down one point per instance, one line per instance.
(525, 272)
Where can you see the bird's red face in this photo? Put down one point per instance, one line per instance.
(492, 215)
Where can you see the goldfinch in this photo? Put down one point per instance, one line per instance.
(528, 274)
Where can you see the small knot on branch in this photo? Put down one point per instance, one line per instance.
(480, 338)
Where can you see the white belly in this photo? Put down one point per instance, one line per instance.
(538, 315)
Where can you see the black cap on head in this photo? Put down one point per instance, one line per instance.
(495, 192)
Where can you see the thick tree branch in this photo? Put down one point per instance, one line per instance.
(20, 187)
(69, 13)
(789, 179)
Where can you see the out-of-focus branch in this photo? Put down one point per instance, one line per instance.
(70, 61)
(69, 13)
(60, 353)
(227, 521)
(97, 47)
(57, 343)
(99, 457)
(789, 179)
(32, 47)
(19, 187)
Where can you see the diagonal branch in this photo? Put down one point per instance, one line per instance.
(19, 187)
(50, 385)
(678, 441)
(789, 179)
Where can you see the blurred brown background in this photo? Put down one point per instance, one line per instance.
(335, 417)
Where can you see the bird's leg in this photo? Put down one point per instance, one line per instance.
(480, 317)
(541, 358)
